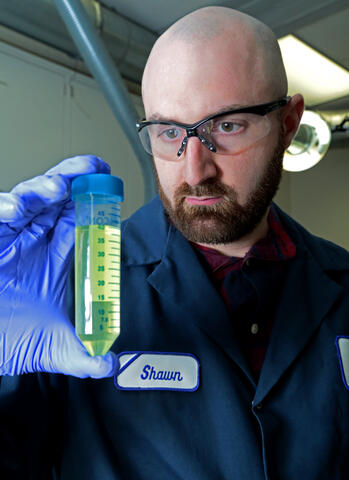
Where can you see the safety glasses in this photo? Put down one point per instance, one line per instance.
(226, 133)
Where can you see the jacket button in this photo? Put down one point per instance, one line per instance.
(258, 406)
(254, 328)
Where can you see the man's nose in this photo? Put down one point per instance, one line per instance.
(198, 163)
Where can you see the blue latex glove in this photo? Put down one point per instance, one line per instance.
(36, 249)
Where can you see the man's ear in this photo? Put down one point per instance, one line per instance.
(291, 118)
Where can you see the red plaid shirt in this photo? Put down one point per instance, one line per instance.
(251, 293)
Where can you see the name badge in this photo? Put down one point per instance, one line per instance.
(343, 355)
(157, 371)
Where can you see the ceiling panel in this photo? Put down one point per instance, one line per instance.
(281, 15)
(330, 36)
(160, 14)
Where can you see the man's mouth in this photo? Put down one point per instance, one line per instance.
(204, 200)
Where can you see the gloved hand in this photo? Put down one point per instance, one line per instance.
(36, 248)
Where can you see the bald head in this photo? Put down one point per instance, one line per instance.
(212, 41)
(209, 22)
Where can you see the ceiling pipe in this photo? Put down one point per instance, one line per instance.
(109, 79)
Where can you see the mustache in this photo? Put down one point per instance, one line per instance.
(207, 188)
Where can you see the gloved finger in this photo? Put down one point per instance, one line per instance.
(106, 366)
(62, 237)
(68, 354)
(96, 367)
(79, 165)
(7, 236)
(28, 198)
(78, 362)
(47, 223)
(37, 195)
(11, 207)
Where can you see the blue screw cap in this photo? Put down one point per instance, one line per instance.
(98, 183)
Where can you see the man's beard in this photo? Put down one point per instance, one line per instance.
(227, 220)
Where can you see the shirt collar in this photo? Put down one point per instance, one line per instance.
(276, 246)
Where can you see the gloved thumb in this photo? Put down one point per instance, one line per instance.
(69, 356)
(94, 367)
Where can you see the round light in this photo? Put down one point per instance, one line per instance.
(309, 145)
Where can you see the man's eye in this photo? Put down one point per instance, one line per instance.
(170, 133)
(228, 127)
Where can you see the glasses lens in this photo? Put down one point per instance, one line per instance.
(229, 133)
(233, 133)
(163, 141)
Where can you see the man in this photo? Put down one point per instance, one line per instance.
(232, 314)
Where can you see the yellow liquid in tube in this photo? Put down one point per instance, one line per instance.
(97, 286)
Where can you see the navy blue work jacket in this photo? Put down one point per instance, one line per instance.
(293, 424)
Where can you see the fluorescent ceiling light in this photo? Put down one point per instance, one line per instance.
(310, 73)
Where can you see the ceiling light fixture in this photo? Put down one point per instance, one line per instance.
(312, 74)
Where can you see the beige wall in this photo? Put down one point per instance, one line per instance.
(318, 198)
(48, 113)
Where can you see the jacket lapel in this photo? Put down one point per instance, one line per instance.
(306, 298)
(182, 280)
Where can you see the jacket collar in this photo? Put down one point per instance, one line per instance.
(329, 256)
(145, 235)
